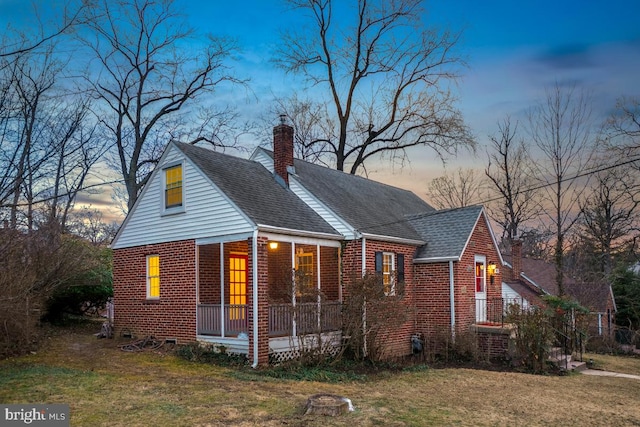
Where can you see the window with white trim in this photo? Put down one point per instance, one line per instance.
(153, 276)
(173, 188)
(390, 268)
(304, 273)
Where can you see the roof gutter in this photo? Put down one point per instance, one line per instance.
(301, 233)
(393, 239)
(436, 259)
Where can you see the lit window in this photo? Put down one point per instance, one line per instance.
(173, 187)
(387, 274)
(153, 276)
(304, 272)
(237, 286)
(480, 277)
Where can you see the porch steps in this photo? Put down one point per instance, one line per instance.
(564, 362)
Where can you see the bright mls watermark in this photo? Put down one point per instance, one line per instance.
(55, 415)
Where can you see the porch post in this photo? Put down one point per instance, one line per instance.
(257, 299)
(222, 273)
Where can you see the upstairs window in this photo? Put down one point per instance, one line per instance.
(173, 187)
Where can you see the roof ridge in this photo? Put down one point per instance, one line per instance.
(332, 170)
(442, 211)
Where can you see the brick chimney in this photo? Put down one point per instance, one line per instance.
(282, 149)
(516, 259)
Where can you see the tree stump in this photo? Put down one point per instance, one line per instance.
(327, 404)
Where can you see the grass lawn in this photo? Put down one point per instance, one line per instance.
(106, 386)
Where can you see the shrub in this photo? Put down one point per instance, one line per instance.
(86, 293)
(368, 315)
(534, 336)
(34, 266)
(195, 352)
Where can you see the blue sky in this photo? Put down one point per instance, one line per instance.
(514, 50)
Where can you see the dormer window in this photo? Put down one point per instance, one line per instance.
(173, 187)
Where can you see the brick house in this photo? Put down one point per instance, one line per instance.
(248, 254)
(527, 279)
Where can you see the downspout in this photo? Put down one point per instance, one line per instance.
(254, 251)
(364, 256)
(452, 302)
(364, 304)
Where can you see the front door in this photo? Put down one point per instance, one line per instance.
(481, 289)
(237, 286)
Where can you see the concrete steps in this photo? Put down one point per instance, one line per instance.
(564, 362)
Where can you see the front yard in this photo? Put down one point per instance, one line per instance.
(106, 386)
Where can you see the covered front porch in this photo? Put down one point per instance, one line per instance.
(299, 283)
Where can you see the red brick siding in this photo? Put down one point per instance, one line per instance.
(432, 286)
(282, 150)
(262, 260)
(174, 314)
(432, 298)
(279, 263)
(494, 344)
(330, 273)
(394, 342)
(479, 244)
(209, 274)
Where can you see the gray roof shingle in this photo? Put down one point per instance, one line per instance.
(254, 190)
(446, 231)
(593, 295)
(369, 206)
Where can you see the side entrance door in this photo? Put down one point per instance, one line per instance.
(481, 289)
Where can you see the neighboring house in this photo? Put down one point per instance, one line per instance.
(207, 254)
(526, 280)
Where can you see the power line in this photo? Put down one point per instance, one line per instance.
(537, 187)
(580, 175)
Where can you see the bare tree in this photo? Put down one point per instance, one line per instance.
(70, 17)
(610, 216)
(623, 127)
(455, 191)
(47, 145)
(510, 173)
(561, 130)
(90, 225)
(387, 78)
(148, 80)
(77, 151)
(311, 124)
(31, 79)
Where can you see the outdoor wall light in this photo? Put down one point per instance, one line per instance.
(273, 245)
(492, 270)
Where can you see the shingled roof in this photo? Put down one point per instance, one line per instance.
(255, 191)
(370, 207)
(540, 274)
(446, 232)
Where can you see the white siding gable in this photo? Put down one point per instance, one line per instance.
(263, 158)
(510, 296)
(327, 214)
(207, 211)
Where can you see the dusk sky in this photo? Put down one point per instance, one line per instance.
(514, 50)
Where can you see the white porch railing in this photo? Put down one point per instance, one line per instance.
(210, 319)
(284, 319)
(304, 318)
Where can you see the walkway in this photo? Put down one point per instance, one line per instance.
(600, 373)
